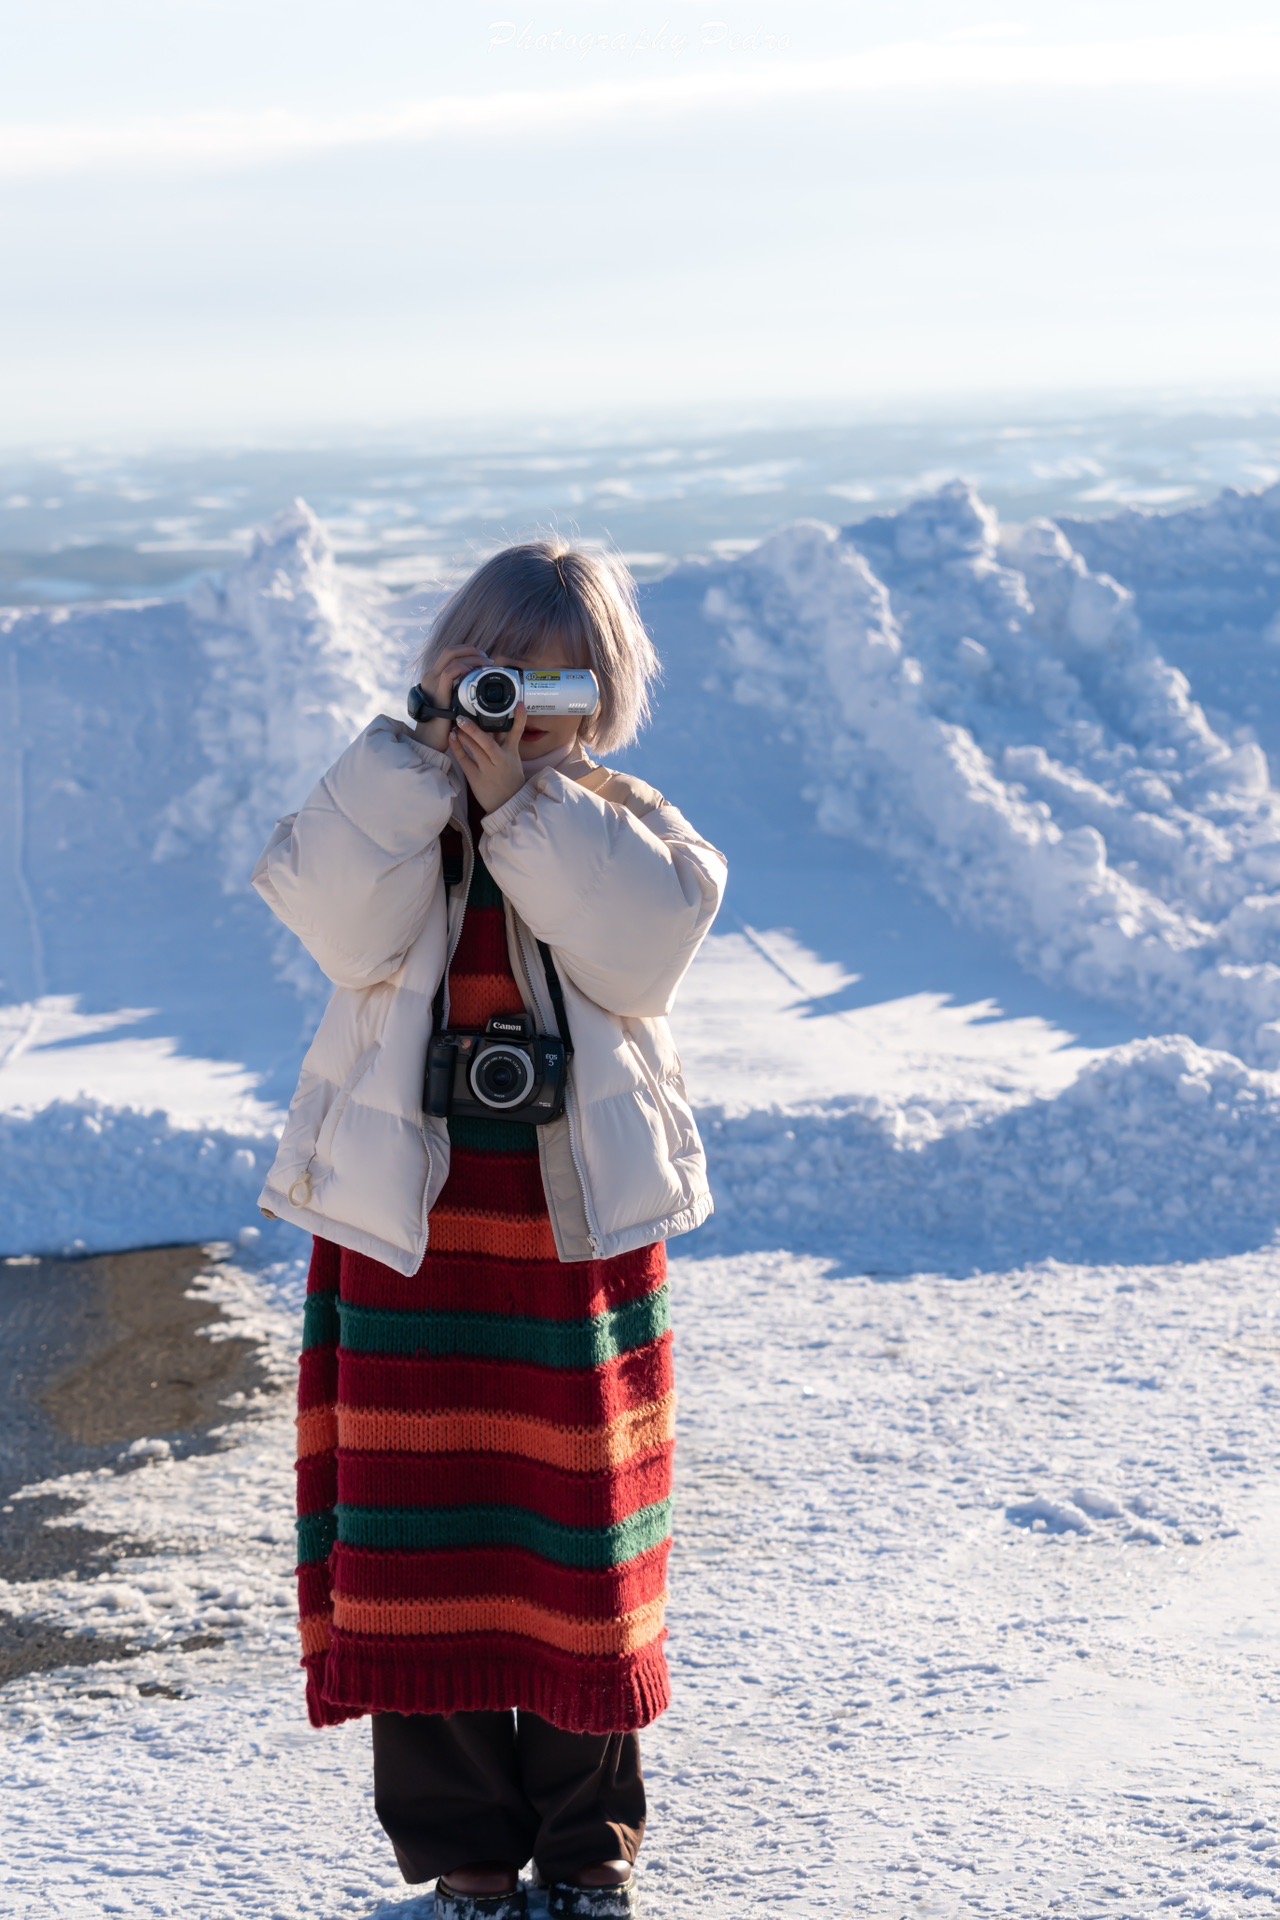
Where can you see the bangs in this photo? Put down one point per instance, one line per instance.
(544, 621)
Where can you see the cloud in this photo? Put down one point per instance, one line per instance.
(233, 139)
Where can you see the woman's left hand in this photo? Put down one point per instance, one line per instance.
(490, 762)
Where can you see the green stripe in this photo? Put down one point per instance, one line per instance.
(493, 1136)
(316, 1535)
(509, 1336)
(320, 1320)
(484, 891)
(415, 1528)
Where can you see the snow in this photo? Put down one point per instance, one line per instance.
(989, 713)
(976, 1501)
(895, 1668)
(291, 665)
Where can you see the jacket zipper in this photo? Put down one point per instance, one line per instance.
(460, 901)
(571, 1115)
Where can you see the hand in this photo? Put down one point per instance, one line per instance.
(438, 685)
(491, 761)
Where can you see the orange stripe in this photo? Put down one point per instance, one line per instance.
(503, 1613)
(474, 996)
(315, 1633)
(467, 1230)
(473, 1430)
(317, 1431)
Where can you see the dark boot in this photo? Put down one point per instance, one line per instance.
(451, 1905)
(567, 1902)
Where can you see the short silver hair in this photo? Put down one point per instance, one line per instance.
(546, 590)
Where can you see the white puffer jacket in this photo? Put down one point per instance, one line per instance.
(594, 862)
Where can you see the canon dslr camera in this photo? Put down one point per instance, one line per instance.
(508, 1072)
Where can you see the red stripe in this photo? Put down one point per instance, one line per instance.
(313, 1588)
(322, 1275)
(317, 1377)
(317, 1482)
(482, 947)
(487, 1283)
(451, 1574)
(564, 1396)
(499, 1185)
(401, 1648)
(502, 1479)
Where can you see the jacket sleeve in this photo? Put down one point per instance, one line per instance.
(625, 901)
(353, 871)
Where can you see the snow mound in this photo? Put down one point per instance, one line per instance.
(153, 746)
(987, 710)
(1158, 1150)
(77, 1176)
(156, 745)
(1212, 567)
(294, 664)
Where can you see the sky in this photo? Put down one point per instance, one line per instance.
(224, 218)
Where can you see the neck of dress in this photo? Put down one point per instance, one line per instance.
(551, 759)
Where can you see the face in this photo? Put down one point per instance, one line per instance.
(547, 731)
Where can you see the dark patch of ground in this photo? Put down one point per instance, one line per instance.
(94, 1354)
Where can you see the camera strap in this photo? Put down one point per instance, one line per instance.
(557, 997)
(422, 707)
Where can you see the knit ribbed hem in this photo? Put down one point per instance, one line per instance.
(487, 1674)
(321, 1712)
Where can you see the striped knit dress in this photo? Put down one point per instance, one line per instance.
(485, 1448)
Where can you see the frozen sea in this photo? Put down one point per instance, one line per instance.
(96, 523)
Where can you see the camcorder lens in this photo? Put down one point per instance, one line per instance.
(494, 693)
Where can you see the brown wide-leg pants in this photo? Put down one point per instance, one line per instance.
(455, 1790)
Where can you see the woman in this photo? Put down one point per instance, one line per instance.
(486, 1400)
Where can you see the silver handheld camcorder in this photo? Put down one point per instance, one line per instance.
(489, 695)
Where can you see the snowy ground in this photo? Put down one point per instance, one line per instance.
(973, 1613)
(976, 1540)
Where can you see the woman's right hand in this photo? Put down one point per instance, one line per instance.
(438, 686)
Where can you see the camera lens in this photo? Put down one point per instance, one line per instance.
(501, 1076)
(493, 693)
